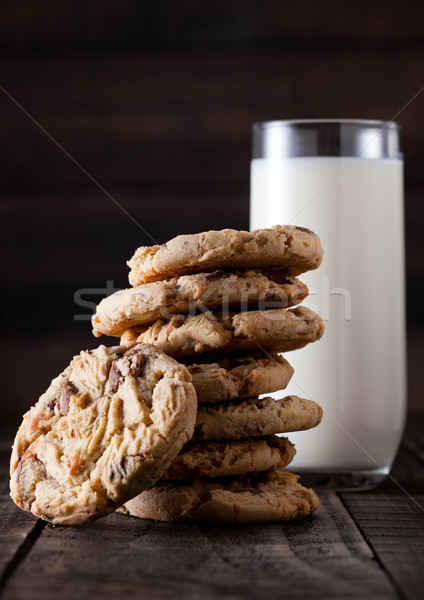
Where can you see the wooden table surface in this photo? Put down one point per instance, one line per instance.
(357, 545)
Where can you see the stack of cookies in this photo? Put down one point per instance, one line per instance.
(220, 302)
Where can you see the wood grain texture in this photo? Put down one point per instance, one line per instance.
(240, 21)
(142, 118)
(393, 525)
(156, 103)
(214, 562)
(93, 236)
(8, 433)
(391, 518)
(18, 531)
(362, 545)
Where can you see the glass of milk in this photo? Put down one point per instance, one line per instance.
(344, 180)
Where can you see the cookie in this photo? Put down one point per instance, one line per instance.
(255, 417)
(240, 377)
(220, 459)
(106, 429)
(266, 497)
(151, 301)
(281, 246)
(276, 329)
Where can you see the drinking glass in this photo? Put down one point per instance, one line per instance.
(344, 180)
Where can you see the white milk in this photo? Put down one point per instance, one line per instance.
(357, 371)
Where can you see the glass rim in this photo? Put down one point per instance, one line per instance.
(364, 122)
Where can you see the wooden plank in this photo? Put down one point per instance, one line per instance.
(391, 519)
(393, 525)
(18, 529)
(414, 438)
(415, 380)
(7, 436)
(161, 559)
(326, 553)
(18, 532)
(214, 23)
(414, 217)
(80, 224)
(330, 553)
(144, 118)
(407, 471)
(144, 557)
(50, 355)
(47, 218)
(415, 428)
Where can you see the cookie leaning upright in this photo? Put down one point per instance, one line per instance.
(281, 246)
(106, 429)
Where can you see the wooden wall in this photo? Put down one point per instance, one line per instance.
(153, 102)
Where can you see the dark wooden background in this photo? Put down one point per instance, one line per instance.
(154, 101)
